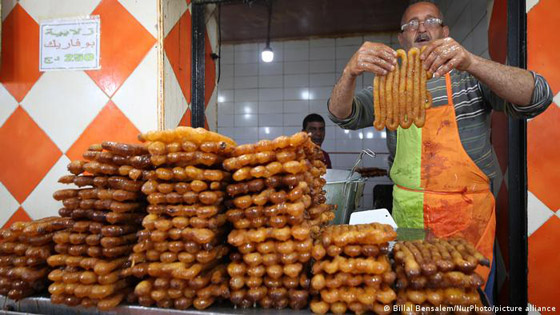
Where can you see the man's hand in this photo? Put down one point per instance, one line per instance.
(372, 57)
(443, 55)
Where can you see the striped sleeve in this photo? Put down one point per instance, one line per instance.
(540, 100)
(362, 111)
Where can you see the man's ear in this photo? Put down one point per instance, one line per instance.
(445, 31)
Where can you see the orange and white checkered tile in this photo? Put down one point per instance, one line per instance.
(48, 119)
(543, 156)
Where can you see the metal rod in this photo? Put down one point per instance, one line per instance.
(198, 33)
(517, 166)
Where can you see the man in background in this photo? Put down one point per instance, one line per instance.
(314, 125)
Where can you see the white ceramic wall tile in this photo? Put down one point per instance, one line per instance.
(40, 203)
(349, 145)
(296, 44)
(271, 81)
(271, 120)
(272, 68)
(322, 53)
(225, 95)
(250, 82)
(174, 101)
(291, 94)
(226, 58)
(293, 120)
(319, 107)
(349, 41)
(296, 54)
(227, 71)
(9, 105)
(241, 108)
(245, 95)
(226, 108)
(228, 131)
(270, 95)
(246, 69)
(9, 204)
(246, 56)
(246, 132)
(529, 5)
(47, 9)
(270, 132)
(244, 47)
(225, 120)
(225, 83)
(323, 79)
(144, 11)
(296, 80)
(329, 131)
(321, 93)
(480, 35)
(61, 94)
(329, 145)
(7, 6)
(296, 67)
(270, 107)
(296, 106)
(376, 145)
(322, 42)
(290, 130)
(137, 97)
(321, 66)
(172, 12)
(346, 52)
(385, 38)
(538, 213)
(246, 120)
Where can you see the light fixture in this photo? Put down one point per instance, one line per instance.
(267, 55)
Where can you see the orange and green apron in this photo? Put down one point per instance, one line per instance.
(438, 186)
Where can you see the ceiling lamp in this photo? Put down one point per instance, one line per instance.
(267, 55)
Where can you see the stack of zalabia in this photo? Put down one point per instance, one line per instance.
(274, 205)
(107, 209)
(400, 98)
(437, 273)
(24, 249)
(180, 253)
(352, 271)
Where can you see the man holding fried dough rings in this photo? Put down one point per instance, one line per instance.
(443, 169)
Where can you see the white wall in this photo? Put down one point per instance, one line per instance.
(257, 100)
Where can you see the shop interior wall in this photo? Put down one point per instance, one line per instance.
(48, 119)
(258, 100)
(543, 157)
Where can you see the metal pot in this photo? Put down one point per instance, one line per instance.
(344, 189)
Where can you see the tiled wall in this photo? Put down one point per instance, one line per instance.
(48, 119)
(259, 100)
(543, 157)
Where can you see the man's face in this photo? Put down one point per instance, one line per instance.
(317, 131)
(423, 35)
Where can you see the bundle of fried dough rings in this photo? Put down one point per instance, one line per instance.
(276, 203)
(352, 270)
(188, 219)
(107, 209)
(437, 273)
(400, 98)
(180, 253)
(24, 249)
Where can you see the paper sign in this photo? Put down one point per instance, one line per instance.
(69, 44)
(370, 216)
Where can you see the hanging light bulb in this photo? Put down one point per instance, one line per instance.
(267, 55)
